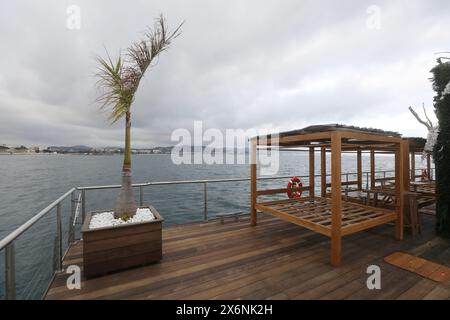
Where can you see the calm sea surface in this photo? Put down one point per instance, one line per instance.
(28, 183)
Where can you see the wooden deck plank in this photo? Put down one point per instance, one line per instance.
(273, 260)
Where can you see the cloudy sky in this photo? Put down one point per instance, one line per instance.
(278, 65)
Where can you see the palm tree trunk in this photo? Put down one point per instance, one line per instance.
(126, 205)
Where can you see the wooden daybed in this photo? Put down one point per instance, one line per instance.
(331, 216)
(316, 214)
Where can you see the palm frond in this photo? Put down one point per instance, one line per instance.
(141, 54)
(120, 80)
(109, 74)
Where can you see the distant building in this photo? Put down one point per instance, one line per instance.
(112, 150)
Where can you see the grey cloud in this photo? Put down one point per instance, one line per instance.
(238, 64)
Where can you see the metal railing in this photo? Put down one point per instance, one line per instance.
(141, 187)
(79, 204)
(7, 243)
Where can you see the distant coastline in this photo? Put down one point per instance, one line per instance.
(78, 150)
(73, 154)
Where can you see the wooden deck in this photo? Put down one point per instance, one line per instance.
(274, 260)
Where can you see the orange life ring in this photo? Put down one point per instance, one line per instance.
(424, 176)
(294, 183)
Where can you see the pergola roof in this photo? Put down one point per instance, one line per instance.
(320, 136)
(416, 144)
(338, 127)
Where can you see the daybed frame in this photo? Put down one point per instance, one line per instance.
(333, 217)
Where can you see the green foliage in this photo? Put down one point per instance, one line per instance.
(110, 75)
(120, 80)
(440, 79)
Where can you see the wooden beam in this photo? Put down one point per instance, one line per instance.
(306, 137)
(345, 147)
(278, 191)
(323, 171)
(369, 137)
(407, 175)
(399, 190)
(253, 183)
(359, 167)
(370, 223)
(294, 219)
(336, 198)
(372, 168)
(413, 166)
(312, 184)
(406, 169)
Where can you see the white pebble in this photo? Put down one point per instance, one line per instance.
(106, 219)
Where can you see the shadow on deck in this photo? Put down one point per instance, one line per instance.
(275, 260)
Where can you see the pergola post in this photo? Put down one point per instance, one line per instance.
(336, 198)
(312, 177)
(406, 168)
(253, 185)
(323, 171)
(372, 168)
(359, 167)
(406, 178)
(413, 166)
(400, 154)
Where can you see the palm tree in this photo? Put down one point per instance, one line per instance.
(119, 80)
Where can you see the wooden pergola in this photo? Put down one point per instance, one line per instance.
(416, 145)
(332, 216)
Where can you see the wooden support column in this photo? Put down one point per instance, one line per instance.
(413, 166)
(323, 171)
(336, 199)
(372, 168)
(359, 167)
(312, 178)
(406, 177)
(429, 166)
(253, 182)
(406, 168)
(400, 160)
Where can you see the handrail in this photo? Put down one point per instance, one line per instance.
(77, 211)
(159, 183)
(24, 227)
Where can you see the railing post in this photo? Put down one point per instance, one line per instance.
(205, 204)
(10, 272)
(367, 180)
(58, 238)
(141, 196)
(83, 205)
(73, 201)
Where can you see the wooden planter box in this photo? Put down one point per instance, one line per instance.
(121, 247)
